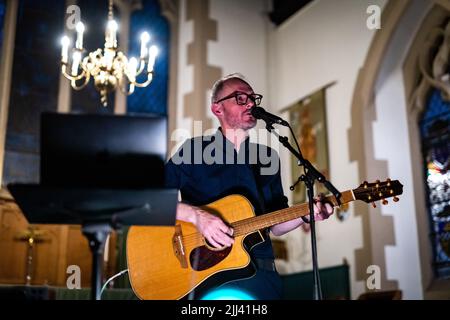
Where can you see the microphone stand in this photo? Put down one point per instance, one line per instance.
(311, 174)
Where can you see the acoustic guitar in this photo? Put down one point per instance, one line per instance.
(175, 262)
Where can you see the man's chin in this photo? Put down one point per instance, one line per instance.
(249, 125)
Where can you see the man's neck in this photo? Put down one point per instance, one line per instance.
(235, 136)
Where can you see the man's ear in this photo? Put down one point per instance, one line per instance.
(217, 109)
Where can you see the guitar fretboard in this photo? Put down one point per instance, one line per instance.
(253, 224)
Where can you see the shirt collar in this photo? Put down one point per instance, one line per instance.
(227, 144)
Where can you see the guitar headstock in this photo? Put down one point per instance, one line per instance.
(371, 192)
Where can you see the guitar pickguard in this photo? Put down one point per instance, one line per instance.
(202, 258)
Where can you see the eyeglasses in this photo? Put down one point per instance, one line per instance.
(242, 98)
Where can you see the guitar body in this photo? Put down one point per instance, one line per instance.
(167, 263)
(175, 262)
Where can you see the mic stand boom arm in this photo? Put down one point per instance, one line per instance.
(311, 174)
(310, 170)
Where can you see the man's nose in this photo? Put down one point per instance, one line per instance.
(250, 104)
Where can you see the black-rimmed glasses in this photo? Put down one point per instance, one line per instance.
(242, 98)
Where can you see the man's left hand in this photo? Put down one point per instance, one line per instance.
(322, 210)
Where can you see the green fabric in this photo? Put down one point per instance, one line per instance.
(84, 294)
(335, 283)
(123, 281)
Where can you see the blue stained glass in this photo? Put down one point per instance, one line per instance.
(153, 98)
(2, 20)
(436, 109)
(35, 78)
(435, 132)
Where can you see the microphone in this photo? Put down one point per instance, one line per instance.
(260, 113)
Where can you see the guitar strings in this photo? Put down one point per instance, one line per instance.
(253, 223)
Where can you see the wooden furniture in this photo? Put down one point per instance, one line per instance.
(39, 254)
(382, 295)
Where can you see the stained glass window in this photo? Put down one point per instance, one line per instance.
(34, 85)
(152, 99)
(435, 134)
(2, 20)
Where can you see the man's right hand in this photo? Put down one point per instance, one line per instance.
(216, 232)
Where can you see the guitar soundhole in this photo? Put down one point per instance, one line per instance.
(202, 258)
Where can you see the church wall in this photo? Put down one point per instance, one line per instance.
(393, 144)
(236, 41)
(326, 42)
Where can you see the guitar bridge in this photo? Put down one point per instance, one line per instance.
(178, 248)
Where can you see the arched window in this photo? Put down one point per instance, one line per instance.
(435, 136)
(34, 89)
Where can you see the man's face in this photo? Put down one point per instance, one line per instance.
(232, 115)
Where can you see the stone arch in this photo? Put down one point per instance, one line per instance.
(416, 92)
(363, 114)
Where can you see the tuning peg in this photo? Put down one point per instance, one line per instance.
(365, 184)
(384, 202)
(374, 205)
(377, 183)
(388, 182)
(395, 199)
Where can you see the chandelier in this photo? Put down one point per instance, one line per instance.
(110, 68)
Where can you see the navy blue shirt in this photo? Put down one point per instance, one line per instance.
(208, 168)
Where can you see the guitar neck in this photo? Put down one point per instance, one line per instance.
(253, 224)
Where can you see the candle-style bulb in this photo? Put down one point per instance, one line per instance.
(145, 38)
(65, 42)
(76, 59)
(80, 29)
(151, 58)
(132, 65)
(111, 37)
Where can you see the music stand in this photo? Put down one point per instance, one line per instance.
(99, 211)
(101, 183)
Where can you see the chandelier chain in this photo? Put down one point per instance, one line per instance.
(110, 10)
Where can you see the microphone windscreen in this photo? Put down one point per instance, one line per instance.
(257, 112)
